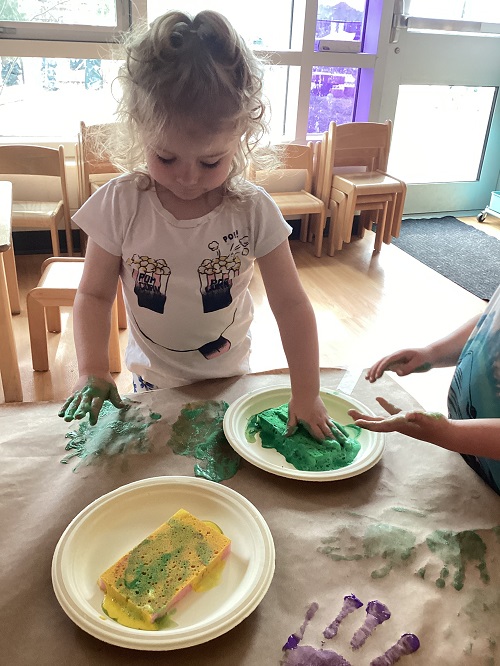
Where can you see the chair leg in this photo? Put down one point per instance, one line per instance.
(320, 227)
(53, 317)
(54, 235)
(304, 226)
(389, 223)
(115, 359)
(336, 229)
(381, 222)
(69, 235)
(366, 219)
(398, 212)
(11, 279)
(38, 335)
(9, 367)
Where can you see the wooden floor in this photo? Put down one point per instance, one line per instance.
(366, 306)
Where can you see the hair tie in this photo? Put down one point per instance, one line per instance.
(177, 35)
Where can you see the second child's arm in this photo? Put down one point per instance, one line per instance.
(479, 437)
(297, 325)
(440, 354)
(92, 325)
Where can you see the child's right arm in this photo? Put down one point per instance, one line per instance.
(478, 437)
(92, 324)
(439, 354)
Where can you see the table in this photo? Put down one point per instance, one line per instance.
(419, 532)
(9, 300)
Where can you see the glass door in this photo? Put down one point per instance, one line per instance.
(441, 89)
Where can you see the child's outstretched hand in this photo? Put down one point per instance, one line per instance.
(313, 416)
(426, 426)
(88, 397)
(402, 362)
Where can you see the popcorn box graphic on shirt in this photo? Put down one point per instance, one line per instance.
(216, 279)
(151, 281)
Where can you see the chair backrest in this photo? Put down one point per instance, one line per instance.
(297, 156)
(93, 138)
(359, 144)
(31, 160)
(27, 160)
(295, 172)
(92, 160)
(316, 184)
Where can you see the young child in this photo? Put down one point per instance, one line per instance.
(473, 426)
(182, 228)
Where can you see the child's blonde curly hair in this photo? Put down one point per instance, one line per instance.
(194, 72)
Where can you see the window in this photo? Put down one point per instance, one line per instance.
(296, 41)
(271, 32)
(60, 20)
(333, 91)
(467, 10)
(47, 97)
(450, 16)
(429, 118)
(71, 77)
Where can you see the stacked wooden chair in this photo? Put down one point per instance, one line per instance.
(94, 167)
(291, 187)
(358, 153)
(94, 170)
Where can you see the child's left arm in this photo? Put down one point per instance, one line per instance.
(297, 325)
(478, 437)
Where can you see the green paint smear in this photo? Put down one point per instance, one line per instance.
(391, 543)
(425, 367)
(301, 449)
(414, 512)
(162, 568)
(482, 601)
(456, 550)
(198, 432)
(117, 432)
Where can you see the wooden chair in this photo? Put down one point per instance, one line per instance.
(94, 167)
(57, 287)
(9, 302)
(359, 153)
(291, 189)
(319, 155)
(94, 170)
(336, 202)
(25, 165)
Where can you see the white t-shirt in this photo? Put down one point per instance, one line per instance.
(185, 282)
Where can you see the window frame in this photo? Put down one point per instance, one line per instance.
(304, 28)
(59, 32)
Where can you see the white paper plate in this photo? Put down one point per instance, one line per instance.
(337, 404)
(113, 524)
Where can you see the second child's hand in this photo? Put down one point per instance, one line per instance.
(89, 400)
(425, 426)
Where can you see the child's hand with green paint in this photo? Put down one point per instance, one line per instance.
(402, 362)
(88, 397)
(312, 415)
(426, 426)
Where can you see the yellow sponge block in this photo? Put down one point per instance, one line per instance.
(151, 578)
